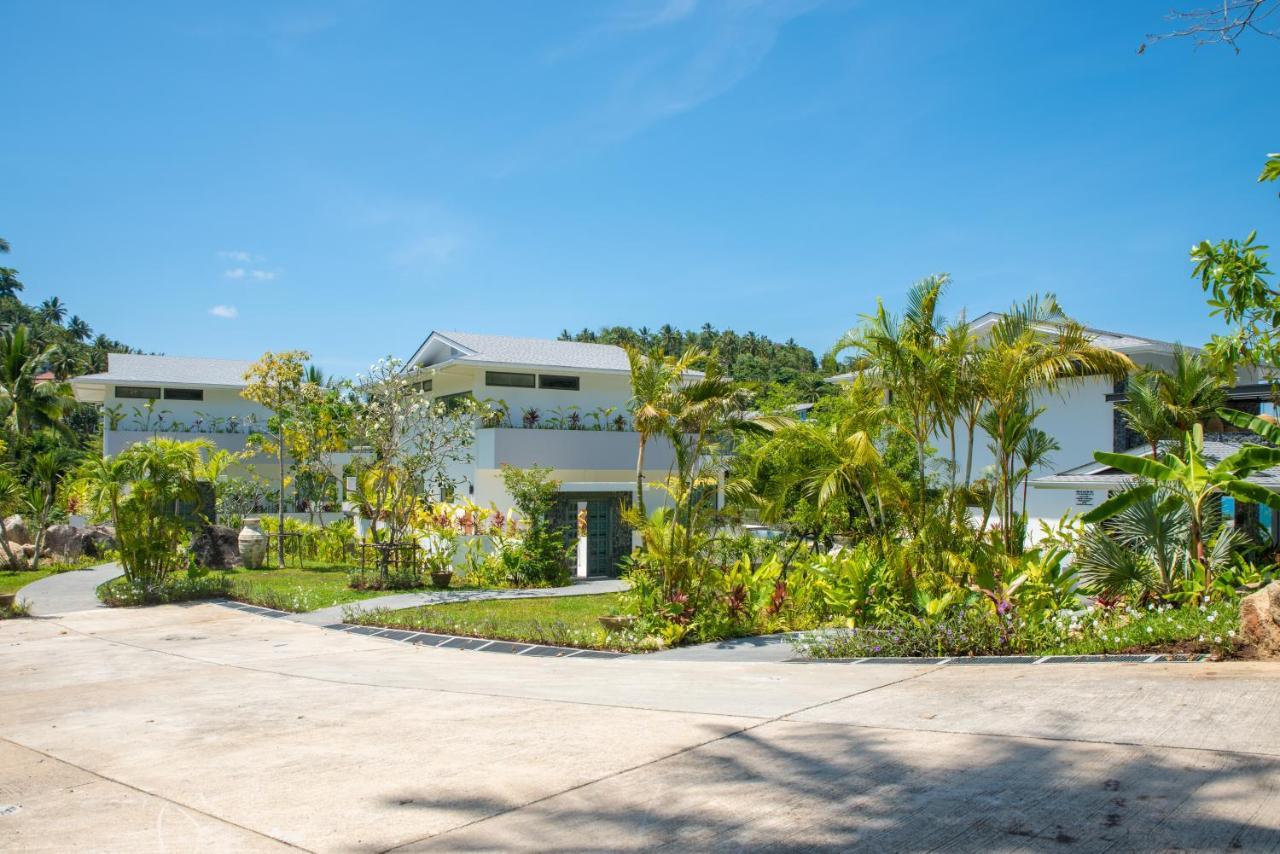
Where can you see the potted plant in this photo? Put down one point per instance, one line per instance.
(617, 622)
(438, 549)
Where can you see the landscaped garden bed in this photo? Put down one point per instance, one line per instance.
(550, 620)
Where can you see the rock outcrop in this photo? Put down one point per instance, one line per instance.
(16, 529)
(1260, 620)
(216, 547)
(68, 542)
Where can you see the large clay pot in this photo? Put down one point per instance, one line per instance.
(253, 543)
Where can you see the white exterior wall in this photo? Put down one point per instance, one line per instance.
(584, 460)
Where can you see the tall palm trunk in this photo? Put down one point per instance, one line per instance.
(640, 479)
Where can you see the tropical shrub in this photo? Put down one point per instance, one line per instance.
(142, 491)
(543, 549)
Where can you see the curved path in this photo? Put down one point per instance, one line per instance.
(197, 727)
(66, 592)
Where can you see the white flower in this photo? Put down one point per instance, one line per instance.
(1148, 630)
(1231, 633)
(1211, 618)
(1217, 638)
(1202, 637)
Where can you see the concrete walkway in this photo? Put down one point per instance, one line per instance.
(759, 648)
(203, 728)
(327, 616)
(66, 592)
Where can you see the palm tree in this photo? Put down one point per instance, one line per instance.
(53, 310)
(27, 403)
(1192, 391)
(64, 362)
(654, 378)
(78, 329)
(315, 376)
(904, 356)
(11, 494)
(1034, 451)
(9, 284)
(1032, 349)
(1145, 412)
(825, 465)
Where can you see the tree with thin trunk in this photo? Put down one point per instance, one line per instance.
(1145, 412)
(276, 382)
(655, 378)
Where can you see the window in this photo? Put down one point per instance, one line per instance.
(504, 378)
(184, 394)
(425, 385)
(557, 381)
(143, 392)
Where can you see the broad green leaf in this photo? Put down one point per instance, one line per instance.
(1251, 458)
(1245, 421)
(1140, 466)
(1257, 493)
(1119, 502)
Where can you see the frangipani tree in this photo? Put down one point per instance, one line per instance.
(417, 445)
(1191, 484)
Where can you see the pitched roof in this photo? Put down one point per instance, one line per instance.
(129, 368)
(537, 351)
(1119, 341)
(1217, 448)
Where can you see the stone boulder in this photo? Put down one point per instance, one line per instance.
(16, 527)
(68, 542)
(20, 561)
(216, 547)
(1260, 620)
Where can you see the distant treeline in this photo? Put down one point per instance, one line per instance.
(782, 368)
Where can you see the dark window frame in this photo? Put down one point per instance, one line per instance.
(184, 394)
(560, 382)
(138, 392)
(508, 379)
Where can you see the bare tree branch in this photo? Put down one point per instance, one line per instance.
(1222, 24)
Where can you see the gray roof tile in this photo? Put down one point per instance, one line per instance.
(540, 352)
(127, 368)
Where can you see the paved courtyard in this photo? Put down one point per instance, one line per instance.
(198, 727)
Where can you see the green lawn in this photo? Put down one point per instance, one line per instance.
(12, 582)
(554, 620)
(315, 585)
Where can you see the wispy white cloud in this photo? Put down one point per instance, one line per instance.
(227, 312)
(420, 236)
(666, 58)
(257, 274)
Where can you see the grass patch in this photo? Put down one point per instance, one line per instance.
(552, 620)
(12, 582)
(314, 585)
(119, 593)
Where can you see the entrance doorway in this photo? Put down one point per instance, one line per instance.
(608, 537)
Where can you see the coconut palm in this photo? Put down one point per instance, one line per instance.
(78, 329)
(27, 403)
(1145, 412)
(1192, 391)
(53, 310)
(64, 362)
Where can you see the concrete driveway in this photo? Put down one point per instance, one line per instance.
(203, 728)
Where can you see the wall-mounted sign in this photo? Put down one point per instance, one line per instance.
(1085, 497)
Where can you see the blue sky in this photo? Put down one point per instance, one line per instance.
(220, 179)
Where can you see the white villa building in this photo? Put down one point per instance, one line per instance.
(1082, 418)
(565, 405)
(560, 404)
(171, 396)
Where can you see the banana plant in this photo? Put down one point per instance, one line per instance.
(1191, 483)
